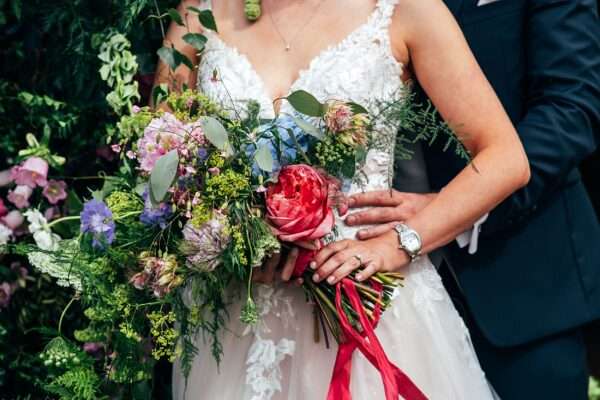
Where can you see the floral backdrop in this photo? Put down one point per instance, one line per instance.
(69, 69)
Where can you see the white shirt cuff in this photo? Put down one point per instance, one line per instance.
(471, 237)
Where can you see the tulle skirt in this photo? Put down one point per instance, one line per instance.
(279, 358)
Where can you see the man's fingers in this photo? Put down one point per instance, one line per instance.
(374, 231)
(266, 273)
(377, 215)
(375, 198)
(289, 265)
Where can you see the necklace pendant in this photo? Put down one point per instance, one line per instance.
(288, 47)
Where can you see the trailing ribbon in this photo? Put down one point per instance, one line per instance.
(396, 383)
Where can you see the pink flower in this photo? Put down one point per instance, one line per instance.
(130, 154)
(3, 209)
(20, 196)
(298, 205)
(13, 219)
(55, 191)
(116, 148)
(32, 173)
(5, 177)
(135, 109)
(160, 136)
(214, 170)
(338, 117)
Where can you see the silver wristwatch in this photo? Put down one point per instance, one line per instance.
(409, 240)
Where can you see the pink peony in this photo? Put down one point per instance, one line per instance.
(3, 209)
(20, 196)
(32, 173)
(298, 205)
(13, 219)
(55, 191)
(160, 136)
(5, 177)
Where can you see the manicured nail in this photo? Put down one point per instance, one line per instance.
(359, 277)
(331, 280)
(316, 277)
(313, 265)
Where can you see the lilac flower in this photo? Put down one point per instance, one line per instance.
(203, 246)
(97, 220)
(5, 294)
(155, 215)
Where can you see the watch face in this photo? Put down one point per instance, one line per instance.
(411, 242)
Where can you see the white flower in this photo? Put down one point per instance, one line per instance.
(5, 234)
(42, 234)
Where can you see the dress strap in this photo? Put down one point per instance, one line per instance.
(205, 4)
(385, 11)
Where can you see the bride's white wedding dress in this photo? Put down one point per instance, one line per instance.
(278, 358)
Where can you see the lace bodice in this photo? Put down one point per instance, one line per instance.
(360, 68)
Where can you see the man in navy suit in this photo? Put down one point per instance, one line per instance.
(534, 280)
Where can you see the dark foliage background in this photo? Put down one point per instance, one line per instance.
(49, 81)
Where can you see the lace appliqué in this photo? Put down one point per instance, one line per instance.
(263, 372)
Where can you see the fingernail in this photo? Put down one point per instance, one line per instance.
(313, 265)
(316, 277)
(359, 277)
(331, 280)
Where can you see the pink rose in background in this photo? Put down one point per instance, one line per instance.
(55, 191)
(5, 177)
(33, 172)
(3, 209)
(13, 219)
(19, 196)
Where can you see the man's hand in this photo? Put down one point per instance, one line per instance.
(276, 268)
(387, 208)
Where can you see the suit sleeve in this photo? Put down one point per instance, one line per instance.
(561, 124)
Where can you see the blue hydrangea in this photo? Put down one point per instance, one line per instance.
(97, 220)
(287, 150)
(155, 215)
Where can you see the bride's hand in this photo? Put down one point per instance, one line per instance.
(337, 260)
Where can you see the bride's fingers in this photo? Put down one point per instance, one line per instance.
(344, 270)
(333, 263)
(328, 251)
(374, 231)
(289, 265)
(266, 273)
(370, 269)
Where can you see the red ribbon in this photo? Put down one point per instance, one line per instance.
(396, 383)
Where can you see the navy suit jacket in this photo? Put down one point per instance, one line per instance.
(537, 270)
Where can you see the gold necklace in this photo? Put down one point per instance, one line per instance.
(288, 43)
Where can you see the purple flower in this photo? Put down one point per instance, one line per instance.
(155, 215)
(5, 293)
(92, 347)
(97, 220)
(32, 173)
(55, 191)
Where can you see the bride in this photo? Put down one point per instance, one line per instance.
(364, 51)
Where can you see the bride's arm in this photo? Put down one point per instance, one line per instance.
(174, 37)
(446, 69)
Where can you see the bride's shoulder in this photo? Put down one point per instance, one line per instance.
(414, 18)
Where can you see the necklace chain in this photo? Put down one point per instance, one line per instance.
(288, 43)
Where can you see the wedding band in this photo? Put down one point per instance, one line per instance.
(359, 258)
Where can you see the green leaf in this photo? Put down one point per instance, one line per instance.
(207, 20)
(167, 54)
(308, 128)
(196, 40)
(215, 133)
(159, 93)
(264, 158)
(182, 59)
(357, 108)
(305, 103)
(163, 175)
(174, 14)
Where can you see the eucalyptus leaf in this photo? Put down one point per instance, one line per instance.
(357, 108)
(264, 158)
(163, 175)
(308, 127)
(207, 20)
(174, 14)
(215, 133)
(159, 93)
(306, 103)
(167, 54)
(196, 40)
(182, 59)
